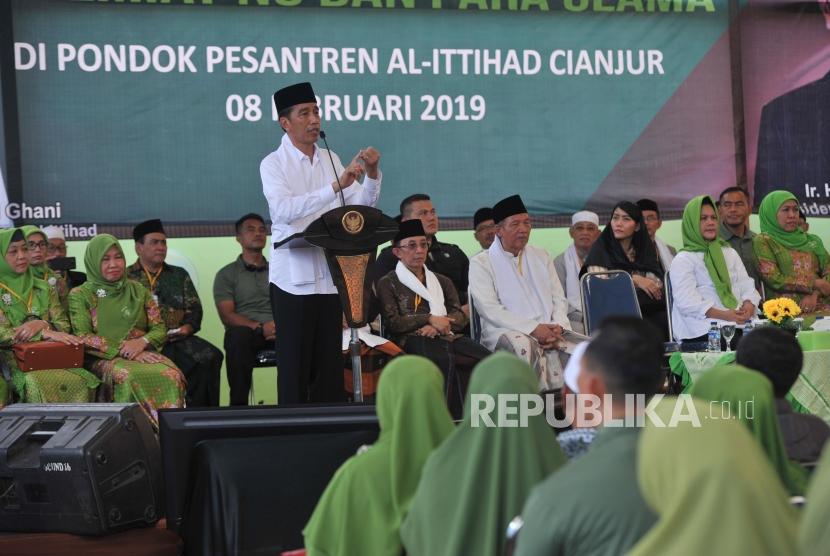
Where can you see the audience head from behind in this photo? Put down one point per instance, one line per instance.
(484, 227)
(251, 233)
(419, 206)
(150, 244)
(57, 242)
(513, 224)
(774, 353)
(624, 357)
(651, 216)
(734, 207)
(584, 231)
(410, 246)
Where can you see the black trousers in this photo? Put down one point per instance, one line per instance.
(241, 346)
(456, 360)
(200, 361)
(309, 336)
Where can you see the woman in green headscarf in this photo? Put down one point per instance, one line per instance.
(479, 478)
(814, 534)
(30, 312)
(122, 328)
(711, 486)
(709, 281)
(792, 263)
(363, 506)
(746, 395)
(38, 246)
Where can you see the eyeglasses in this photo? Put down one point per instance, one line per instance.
(412, 245)
(37, 245)
(56, 248)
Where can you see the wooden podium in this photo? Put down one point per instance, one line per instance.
(349, 237)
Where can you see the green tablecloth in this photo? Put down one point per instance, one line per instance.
(809, 394)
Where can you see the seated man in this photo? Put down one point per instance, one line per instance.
(651, 217)
(484, 227)
(594, 506)
(422, 312)
(240, 291)
(56, 249)
(443, 258)
(181, 311)
(518, 296)
(776, 354)
(734, 207)
(584, 231)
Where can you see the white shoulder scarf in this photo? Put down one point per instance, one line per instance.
(432, 293)
(572, 268)
(529, 295)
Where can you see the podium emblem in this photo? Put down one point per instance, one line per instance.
(353, 222)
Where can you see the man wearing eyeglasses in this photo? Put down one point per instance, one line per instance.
(734, 207)
(443, 258)
(653, 222)
(56, 257)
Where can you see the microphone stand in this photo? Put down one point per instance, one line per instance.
(354, 344)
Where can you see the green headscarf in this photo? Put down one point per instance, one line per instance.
(797, 239)
(738, 385)
(479, 478)
(119, 302)
(712, 488)
(712, 250)
(42, 269)
(372, 491)
(814, 535)
(24, 285)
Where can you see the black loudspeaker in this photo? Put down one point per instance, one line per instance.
(78, 468)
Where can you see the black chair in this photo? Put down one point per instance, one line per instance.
(607, 293)
(513, 529)
(475, 321)
(263, 358)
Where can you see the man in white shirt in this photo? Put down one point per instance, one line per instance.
(518, 296)
(300, 184)
(584, 230)
(653, 222)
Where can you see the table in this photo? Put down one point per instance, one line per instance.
(809, 394)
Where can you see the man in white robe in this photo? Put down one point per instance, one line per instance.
(584, 231)
(518, 296)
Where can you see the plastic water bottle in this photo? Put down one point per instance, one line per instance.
(714, 338)
(748, 327)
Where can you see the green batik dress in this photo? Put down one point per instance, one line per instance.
(152, 385)
(48, 385)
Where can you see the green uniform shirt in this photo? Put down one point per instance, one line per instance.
(247, 286)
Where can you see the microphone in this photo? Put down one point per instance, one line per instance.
(334, 169)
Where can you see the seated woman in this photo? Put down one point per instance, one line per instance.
(709, 281)
(422, 312)
(30, 312)
(792, 263)
(624, 244)
(451, 513)
(38, 246)
(121, 326)
(371, 492)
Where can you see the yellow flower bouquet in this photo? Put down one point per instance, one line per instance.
(781, 311)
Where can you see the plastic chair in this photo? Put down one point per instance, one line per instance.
(475, 321)
(607, 293)
(263, 358)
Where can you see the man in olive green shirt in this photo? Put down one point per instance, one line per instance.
(734, 207)
(593, 505)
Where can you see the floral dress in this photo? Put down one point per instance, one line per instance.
(152, 385)
(47, 385)
(797, 282)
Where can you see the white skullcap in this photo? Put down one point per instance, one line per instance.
(573, 366)
(585, 216)
(53, 232)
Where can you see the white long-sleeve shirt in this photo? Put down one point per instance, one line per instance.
(496, 319)
(693, 292)
(298, 190)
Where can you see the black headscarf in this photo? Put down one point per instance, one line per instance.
(608, 253)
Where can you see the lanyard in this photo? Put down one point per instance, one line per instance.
(27, 303)
(152, 278)
(417, 301)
